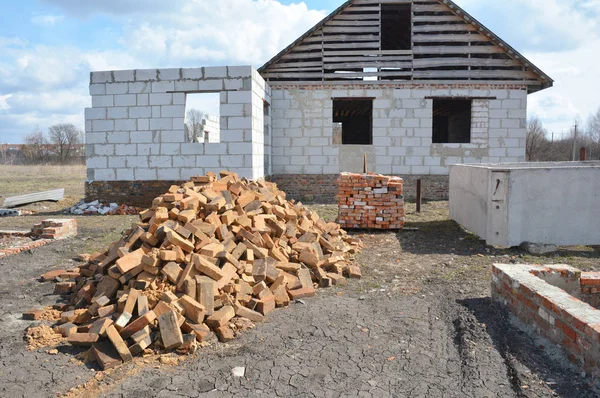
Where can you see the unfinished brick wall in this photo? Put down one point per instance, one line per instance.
(370, 201)
(55, 229)
(539, 296)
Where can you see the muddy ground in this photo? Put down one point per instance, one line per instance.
(419, 324)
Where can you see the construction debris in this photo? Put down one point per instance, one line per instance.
(52, 196)
(95, 207)
(370, 201)
(210, 256)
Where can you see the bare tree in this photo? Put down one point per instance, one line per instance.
(65, 137)
(193, 125)
(536, 140)
(593, 129)
(36, 147)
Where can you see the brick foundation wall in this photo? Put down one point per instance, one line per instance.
(322, 188)
(132, 193)
(531, 293)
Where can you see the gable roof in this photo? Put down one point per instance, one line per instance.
(545, 80)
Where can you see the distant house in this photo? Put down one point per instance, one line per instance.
(414, 86)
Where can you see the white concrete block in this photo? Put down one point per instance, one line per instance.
(141, 137)
(163, 86)
(124, 76)
(140, 112)
(116, 88)
(172, 111)
(239, 97)
(146, 74)
(161, 124)
(148, 149)
(104, 174)
(95, 138)
(125, 174)
(239, 71)
(215, 72)
(208, 161)
(192, 73)
(139, 88)
(125, 125)
(143, 99)
(117, 161)
(411, 123)
(510, 123)
(169, 174)
(170, 149)
(98, 89)
(125, 100)
(506, 104)
(102, 77)
(96, 162)
(145, 174)
(143, 124)
(104, 149)
(118, 113)
(125, 149)
(95, 113)
(179, 99)
(173, 136)
(184, 161)
(103, 125)
(161, 99)
(102, 101)
(210, 85)
(401, 170)
(169, 74)
(190, 148)
(160, 161)
(421, 170)
(233, 84)
(117, 137)
(186, 85)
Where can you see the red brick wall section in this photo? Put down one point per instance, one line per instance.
(550, 311)
(370, 201)
(45, 232)
(55, 229)
(132, 193)
(319, 188)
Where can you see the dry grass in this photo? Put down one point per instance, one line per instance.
(21, 180)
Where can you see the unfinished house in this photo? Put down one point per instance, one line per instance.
(415, 86)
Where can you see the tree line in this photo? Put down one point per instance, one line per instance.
(542, 147)
(63, 144)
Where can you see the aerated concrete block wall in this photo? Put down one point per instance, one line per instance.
(402, 129)
(135, 127)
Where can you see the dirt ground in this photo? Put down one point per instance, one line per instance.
(419, 324)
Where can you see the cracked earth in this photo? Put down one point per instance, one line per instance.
(419, 324)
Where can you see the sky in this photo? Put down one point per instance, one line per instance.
(48, 48)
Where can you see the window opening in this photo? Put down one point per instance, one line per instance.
(353, 120)
(202, 123)
(396, 27)
(451, 121)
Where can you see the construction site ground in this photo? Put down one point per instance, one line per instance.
(419, 324)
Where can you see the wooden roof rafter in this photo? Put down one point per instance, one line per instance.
(320, 65)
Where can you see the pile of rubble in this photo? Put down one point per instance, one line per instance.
(210, 256)
(95, 207)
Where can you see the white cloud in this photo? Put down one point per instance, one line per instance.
(42, 84)
(47, 20)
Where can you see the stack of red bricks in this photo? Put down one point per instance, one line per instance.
(55, 229)
(370, 201)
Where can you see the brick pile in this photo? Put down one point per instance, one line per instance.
(545, 298)
(370, 201)
(209, 257)
(55, 229)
